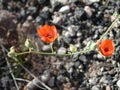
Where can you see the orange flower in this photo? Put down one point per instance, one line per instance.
(48, 33)
(106, 47)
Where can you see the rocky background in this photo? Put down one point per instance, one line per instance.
(77, 21)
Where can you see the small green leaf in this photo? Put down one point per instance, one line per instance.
(29, 44)
(73, 49)
(90, 46)
(12, 52)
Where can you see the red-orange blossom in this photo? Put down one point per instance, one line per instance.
(106, 47)
(48, 33)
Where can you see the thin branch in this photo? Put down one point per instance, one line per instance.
(20, 79)
(9, 66)
(32, 74)
(109, 28)
(30, 83)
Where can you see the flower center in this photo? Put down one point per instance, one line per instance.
(106, 49)
(49, 35)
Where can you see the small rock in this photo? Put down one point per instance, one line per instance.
(106, 79)
(57, 19)
(83, 58)
(72, 1)
(93, 80)
(31, 10)
(22, 13)
(61, 78)
(66, 34)
(118, 83)
(39, 20)
(95, 88)
(93, 1)
(42, 2)
(62, 50)
(88, 11)
(57, 6)
(61, 1)
(80, 14)
(70, 70)
(77, 64)
(45, 76)
(51, 81)
(29, 18)
(45, 9)
(45, 14)
(71, 31)
(46, 48)
(64, 9)
(108, 87)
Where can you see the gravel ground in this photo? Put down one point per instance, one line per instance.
(77, 21)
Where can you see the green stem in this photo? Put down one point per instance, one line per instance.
(109, 28)
(49, 53)
(51, 46)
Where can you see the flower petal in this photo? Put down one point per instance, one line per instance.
(106, 47)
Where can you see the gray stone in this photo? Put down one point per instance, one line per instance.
(57, 19)
(61, 1)
(95, 88)
(80, 14)
(93, 80)
(83, 58)
(61, 50)
(45, 76)
(51, 81)
(29, 18)
(93, 1)
(88, 10)
(71, 31)
(106, 79)
(46, 48)
(118, 83)
(65, 9)
(61, 78)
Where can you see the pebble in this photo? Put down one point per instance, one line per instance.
(26, 24)
(88, 11)
(42, 2)
(61, 50)
(77, 64)
(93, 1)
(108, 87)
(61, 78)
(31, 10)
(46, 48)
(118, 83)
(80, 14)
(83, 58)
(51, 82)
(39, 20)
(45, 76)
(71, 31)
(66, 34)
(57, 6)
(106, 79)
(95, 88)
(93, 80)
(29, 18)
(45, 14)
(61, 1)
(65, 9)
(57, 19)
